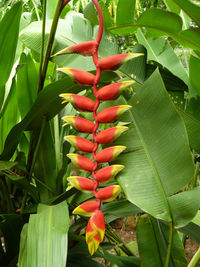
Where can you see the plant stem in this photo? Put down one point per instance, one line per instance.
(50, 44)
(36, 9)
(33, 160)
(195, 259)
(42, 42)
(194, 184)
(171, 231)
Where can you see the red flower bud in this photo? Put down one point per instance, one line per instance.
(112, 91)
(106, 174)
(80, 143)
(95, 231)
(87, 208)
(79, 102)
(79, 76)
(109, 154)
(111, 134)
(81, 162)
(85, 49)
(111, 114)
(114, 62)
(108, 193)
(81, 183)
(79, 123)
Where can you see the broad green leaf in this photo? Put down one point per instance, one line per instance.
(8, 118)
(9, 28)
(184, 206)
(191, 9)
(90, 13)
(194, 73)
(136, 68)
(162, 52)
(106, 15)
(6, 165)
(154, 19)
(189, 38)
(164, 164)
(44, 240)
(51, 7)
(45, 167)
(151, 238)
(48, 103)
(26, 84)
(172, 6)
(125, 12)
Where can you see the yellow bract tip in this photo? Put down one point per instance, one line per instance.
(66, 71)
(62, 52)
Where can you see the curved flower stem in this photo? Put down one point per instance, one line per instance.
(98, 74)
(171, 232)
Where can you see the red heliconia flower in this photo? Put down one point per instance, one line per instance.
(109, 154)
(79, 76)
(110, 135)
(79, 123)
(85, 49)
(108, 193)
(114, 62)
(111, 114)
(95, 231)
(81, 183)
(80, 143)
(87, 208)
(79, 102)
(81, 162)
(112, 91)
(106, 174)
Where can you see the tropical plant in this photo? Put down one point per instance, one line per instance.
(160, 181)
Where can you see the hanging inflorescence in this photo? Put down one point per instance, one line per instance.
(96, 225)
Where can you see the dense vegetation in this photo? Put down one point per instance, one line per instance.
(160, 181)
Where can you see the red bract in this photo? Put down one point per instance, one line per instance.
(81, 183)
(79, 76)
(79, 123)
(79, 102)
(111, 114)
(113, 90)
(111, 134)
(85, 49)
(87, 208)
(106, 174)
(80, 143)
(81, 162)
(114, 62)
(108, 193)
(109, 154)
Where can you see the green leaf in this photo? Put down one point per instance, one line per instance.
(106, 15)
(184, 206)
(162, 52)
(191, 9)
(172, 6)
(9, 28)
(136, 68)
(194, 64)
(26, 84)
(6, 165)
(152, 237)
(51, 7)
(48, 103)
(8, 118)
(163, 165)
(44, 239)
(124, 9)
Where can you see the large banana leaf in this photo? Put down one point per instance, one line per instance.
(44, 239)
(151, 238)
(158, 162)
